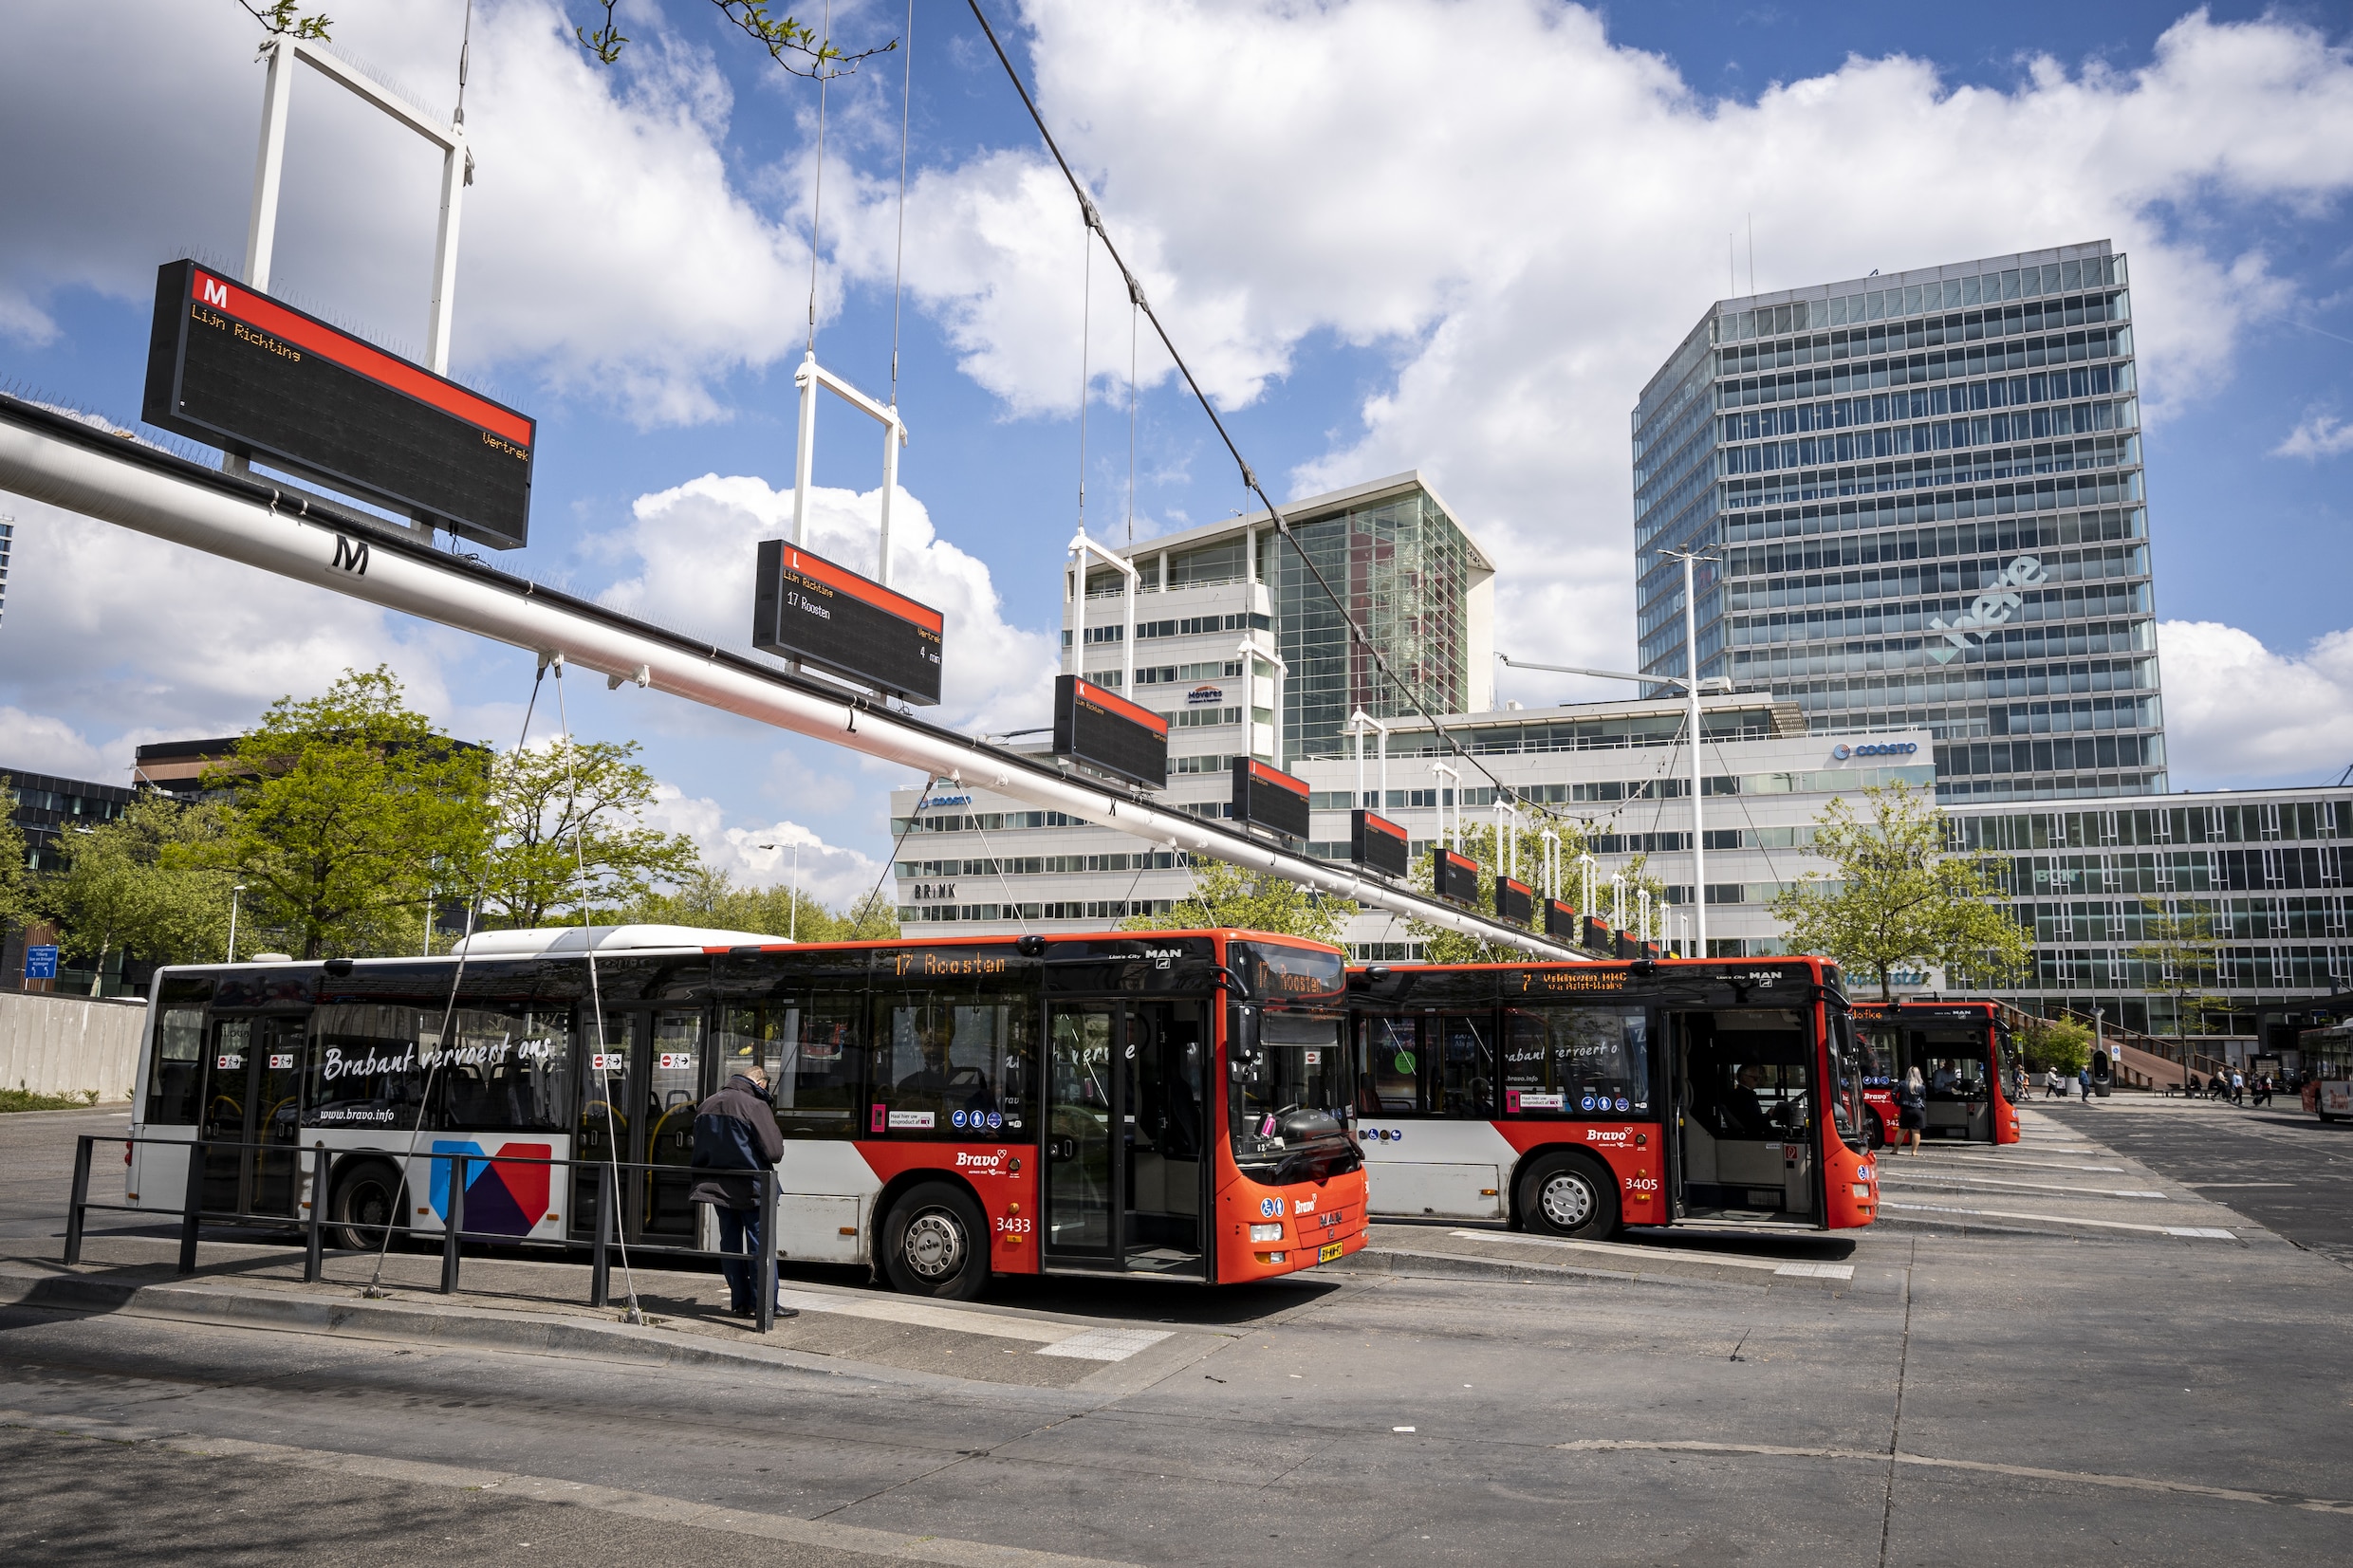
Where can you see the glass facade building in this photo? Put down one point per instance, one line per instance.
(1924, 495)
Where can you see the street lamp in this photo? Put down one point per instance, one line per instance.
(792, 910)
(235, 889)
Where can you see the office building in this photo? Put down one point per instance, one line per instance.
(1924, 494)
(45, 810)
(7, 547)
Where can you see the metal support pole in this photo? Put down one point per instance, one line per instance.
(804, 450)
(456, 169)
(600, 1268)
(261, 231)
(456, 1225)
(191, 1207)
(1699, 836)
(81, 1196)
(763, 1274)
(314, 1234)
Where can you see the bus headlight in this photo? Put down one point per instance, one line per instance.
(1267, 1232)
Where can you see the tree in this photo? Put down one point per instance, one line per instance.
(1897, 898)
(567, 833)
(2061, 1043)
(345, 813)
(140, 883)
(1228, 895)
(14, 884)
(791, 43)
(708, 896)
(2177, 952)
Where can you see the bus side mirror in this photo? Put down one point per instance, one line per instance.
(1247, 1059)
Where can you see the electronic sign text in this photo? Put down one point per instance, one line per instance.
(1378, 844)
(1106, 731)
(805, 607)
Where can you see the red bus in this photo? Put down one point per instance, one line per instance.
(1575, 1099)
(1964, 1053)
(1170, 1104)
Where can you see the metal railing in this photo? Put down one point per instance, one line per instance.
(314, 1223)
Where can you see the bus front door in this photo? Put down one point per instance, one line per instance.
(1082, 1157)
(253, 1097)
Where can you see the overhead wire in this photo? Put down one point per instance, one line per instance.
(1417, 704)
(817, 185)
(898, 262)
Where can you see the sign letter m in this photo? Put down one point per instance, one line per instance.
(214, 292)
(351, 555)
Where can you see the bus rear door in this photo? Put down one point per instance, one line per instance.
(253, 1095)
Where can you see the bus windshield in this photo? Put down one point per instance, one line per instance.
(1287, 1104)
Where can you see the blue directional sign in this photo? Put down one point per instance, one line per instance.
(40, 961)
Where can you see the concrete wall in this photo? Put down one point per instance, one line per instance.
(65, 1045)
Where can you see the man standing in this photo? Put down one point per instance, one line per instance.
(2082, 1082)
(735, 1135)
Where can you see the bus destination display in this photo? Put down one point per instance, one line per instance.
(1270, 798)
(1560, 920)
(266, 382)
(805, 607)
(1103, 729)
(1378, 845)
(1516, 901)
(1454, 876)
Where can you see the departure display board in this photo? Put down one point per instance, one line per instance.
(1268, 797)
(268, 383)
(1516, 901)
(1627, 946)
(1560, 920)
(1454, 876)
(1597, 936)
(805, 607)
(1378, 844)
(1103, 729)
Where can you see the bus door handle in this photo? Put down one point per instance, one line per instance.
(1062, 1148)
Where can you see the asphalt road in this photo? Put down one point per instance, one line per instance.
(1984, 1390)
(2277, 1164)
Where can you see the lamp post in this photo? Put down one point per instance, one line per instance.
(235, 889)
(792, 910)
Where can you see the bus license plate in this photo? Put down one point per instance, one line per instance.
(1327, 1252)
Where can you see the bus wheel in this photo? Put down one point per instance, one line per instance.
(1564, 1195)
(934, 1243)
(366, 1196)
(1874, 1133)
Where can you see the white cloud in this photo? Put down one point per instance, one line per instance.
(2237, 712)
(1532, 236)
(35, 742)
(830, 873)
(690, 550)
(2321, 435)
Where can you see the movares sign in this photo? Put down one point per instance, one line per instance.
(266, 382)
(807, 608)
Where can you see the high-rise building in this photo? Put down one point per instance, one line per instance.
(1924, 495)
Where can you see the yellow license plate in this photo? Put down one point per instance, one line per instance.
(1327, 1252)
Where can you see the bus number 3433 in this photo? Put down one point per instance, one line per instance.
(1014, 1226)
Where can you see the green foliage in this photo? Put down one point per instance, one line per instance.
(2061, 1043)
(32, 1100)
(789, 43)
(708, 897)
(346, 811)
(283, 16)
(1226, 895)
(1897, 899)
(146, 882)
(15, 883)
(565, 833)
(1441, 946)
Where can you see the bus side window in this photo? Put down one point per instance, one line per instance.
(812, 1050)
(951, 1064)
(366, 1070)
(175, 1077)
(1389, 1061)
(1466, 1065)
(505, 1071)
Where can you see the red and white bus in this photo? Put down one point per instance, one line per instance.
(1964, 1052)
(1578, 1099)
(1166, 1103)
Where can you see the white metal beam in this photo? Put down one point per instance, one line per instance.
(139, 489)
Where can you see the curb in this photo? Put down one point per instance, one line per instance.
(1407, 1260)
(1675, 1269)
(284, 1311)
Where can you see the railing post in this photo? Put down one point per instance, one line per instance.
(191, 1207)
(81, 1196)
(314, 1234)
(763, 1276)
(454, 1224)
(599, 1270)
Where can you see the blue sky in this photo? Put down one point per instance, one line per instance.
(1389, 234)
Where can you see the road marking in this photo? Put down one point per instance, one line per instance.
(2203, 1184)
(2027, 1472)
(2201, 1232)
(2021, 1165)
(923, 1315)
(1657, 1254)
(1105, 1345)
(1909, 1177)
(1816, 1271)
(647, 1506)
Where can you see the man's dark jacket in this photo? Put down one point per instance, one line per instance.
(734, 1131)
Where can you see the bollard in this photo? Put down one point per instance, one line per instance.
(314, 1253)
(599, 1271)
(454, 1224)
(763, 1276)
(81, 1197)
(191, 1207)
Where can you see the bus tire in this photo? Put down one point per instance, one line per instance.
(366, 1195)
(1568, 1196)
(935, 1243)
(1874, 1133)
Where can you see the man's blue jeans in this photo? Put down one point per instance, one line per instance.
(739, 1238)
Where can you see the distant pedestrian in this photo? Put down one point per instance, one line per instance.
(2238, 1087)
(736, 1135)
(2263, 1089)
(2050, 1084)
(2082, 1082)
(1911, 1110)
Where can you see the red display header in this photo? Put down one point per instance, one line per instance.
(863, 589)
(1385, 827)
(1276, 777)
(1113, 703)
